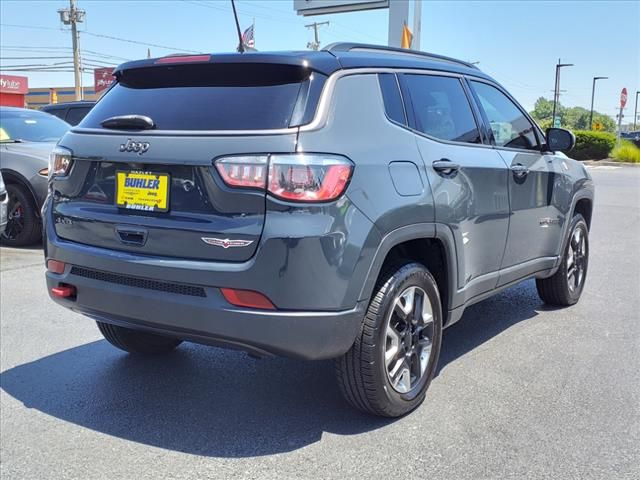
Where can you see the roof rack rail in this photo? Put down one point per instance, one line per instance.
(349, 46)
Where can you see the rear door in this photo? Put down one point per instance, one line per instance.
(201, 113)
(536, 222)
(469, 180)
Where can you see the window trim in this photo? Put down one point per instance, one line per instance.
(411, 121)
(540, 138)
(404, 108)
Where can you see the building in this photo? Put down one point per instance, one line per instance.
(13, 90)
(39, 97)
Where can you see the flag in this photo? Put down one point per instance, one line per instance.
(247, 38)
(407, 37)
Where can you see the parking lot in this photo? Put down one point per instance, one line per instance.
(523, 390)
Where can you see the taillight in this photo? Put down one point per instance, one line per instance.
(59, 162)
(243, 171)
(308, 177)
(301, 177)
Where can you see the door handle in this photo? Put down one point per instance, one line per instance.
(445, 166)
(519, 170)
(132, 235)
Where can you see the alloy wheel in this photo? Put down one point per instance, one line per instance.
(577, 259)
(409, 339)
(15, 218)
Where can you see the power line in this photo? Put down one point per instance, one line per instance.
(100, 35)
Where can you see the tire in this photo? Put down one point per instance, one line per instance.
(364, 373)
(565, 286)
(24, 227)
(135, 341)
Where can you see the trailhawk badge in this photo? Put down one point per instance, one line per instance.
(226, 243)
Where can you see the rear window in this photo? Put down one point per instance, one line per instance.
(211, 96)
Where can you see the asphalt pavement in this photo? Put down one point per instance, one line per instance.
(523, 390)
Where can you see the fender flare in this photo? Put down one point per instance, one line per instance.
(580, 195)
(417, 231)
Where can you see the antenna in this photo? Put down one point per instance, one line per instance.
(235, 16)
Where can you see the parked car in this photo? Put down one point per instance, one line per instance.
(632, 137)
(4, 202)
(348, 203)
(26, 140)
(70, 112)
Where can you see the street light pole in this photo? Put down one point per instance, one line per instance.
(635, 111)
(593, 92)
(556, 91)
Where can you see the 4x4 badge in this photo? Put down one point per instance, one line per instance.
(226, 243)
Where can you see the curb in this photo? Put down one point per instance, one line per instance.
(610, 163)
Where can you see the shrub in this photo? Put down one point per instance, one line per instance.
(626, 152)
(592, 145)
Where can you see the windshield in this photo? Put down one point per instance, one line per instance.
(30, 126)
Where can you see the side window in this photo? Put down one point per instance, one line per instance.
(509, 125)
(74, 115)
(58, 112)
(441, 108)
(392, 98)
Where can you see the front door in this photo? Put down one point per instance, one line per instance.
(535, 224)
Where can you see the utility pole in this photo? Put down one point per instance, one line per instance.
(417, 24)
(556, 90)
(316, 43)
(593, 92)
(72, 16)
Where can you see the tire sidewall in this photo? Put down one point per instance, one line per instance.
(409, 275)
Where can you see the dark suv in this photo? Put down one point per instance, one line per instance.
(347, 203)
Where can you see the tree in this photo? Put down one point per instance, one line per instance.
(573, 118)
(542, 109)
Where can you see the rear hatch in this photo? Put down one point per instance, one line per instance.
(156, 191)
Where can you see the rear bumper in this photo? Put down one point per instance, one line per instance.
(317, 317)
(210, 319)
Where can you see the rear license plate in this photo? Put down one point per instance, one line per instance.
(142, 191)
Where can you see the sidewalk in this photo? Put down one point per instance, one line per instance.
(611, 163)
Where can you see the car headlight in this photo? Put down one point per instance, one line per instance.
(59, 162)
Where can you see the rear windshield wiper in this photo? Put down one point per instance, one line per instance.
(135, 122)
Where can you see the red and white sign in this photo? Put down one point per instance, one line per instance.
(102, 78)
(623, 97)
(14, 84)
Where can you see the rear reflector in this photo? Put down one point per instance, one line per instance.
(55, 266)
(247, 298)
(63, 291)
(184, 59)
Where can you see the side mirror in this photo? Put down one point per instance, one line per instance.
(559, 139)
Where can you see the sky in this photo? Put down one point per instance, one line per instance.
(516, 42)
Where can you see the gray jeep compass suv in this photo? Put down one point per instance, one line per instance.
(347, 203)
